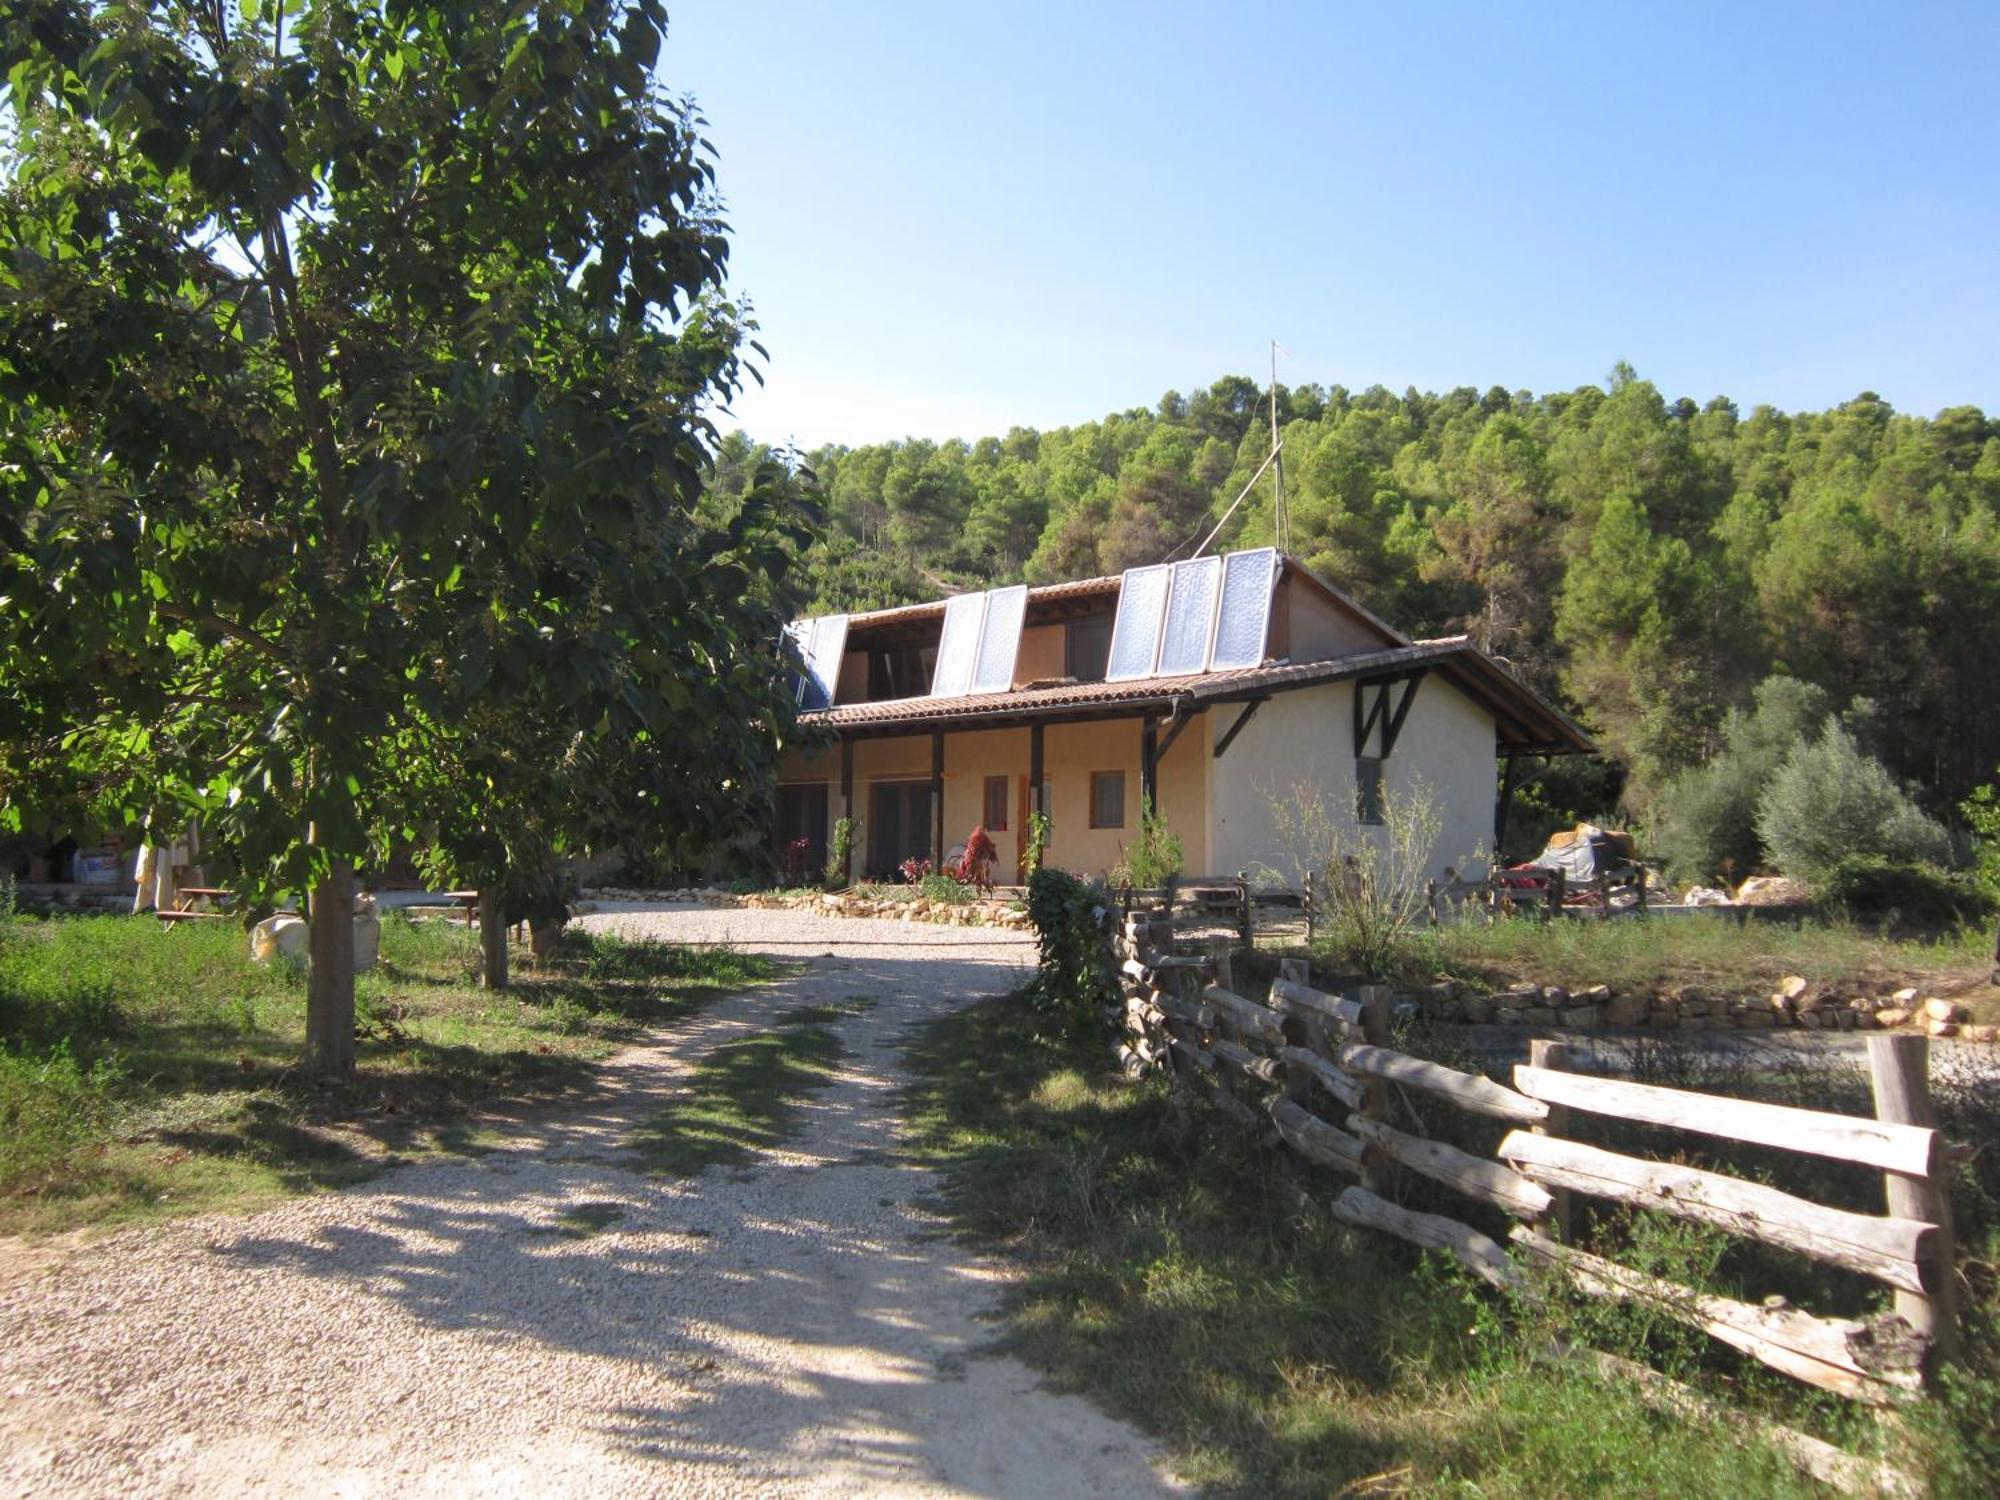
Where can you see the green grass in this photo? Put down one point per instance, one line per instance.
(1179, 1275)
(1635, 955)
(745, 1097)
(147, 1071)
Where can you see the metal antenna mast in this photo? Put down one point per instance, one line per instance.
(1281, 531)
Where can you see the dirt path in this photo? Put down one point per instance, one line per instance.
(796, 1327)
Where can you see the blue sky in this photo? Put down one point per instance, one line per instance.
(955, 218)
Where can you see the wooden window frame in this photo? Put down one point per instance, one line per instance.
(999, 787)
(1098, 779)
(1368, 790)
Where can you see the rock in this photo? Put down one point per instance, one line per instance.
(1597, 994)
(1943, 1010)
(1772, 890)
(1524, 990)
(1555, 995)
(1625, 1010)
(1506, 1015)
(1704, 895)
(1756, 1020)
(1891, 1016)
(1811, 1020)
(1538, 1015)
(1904, 997)
(832, 902)
(1476, 1010)
(1982, 1034)
(1941, 1028)
(1793, 987)
(1579, 1017)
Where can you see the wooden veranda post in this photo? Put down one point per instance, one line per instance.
(847, 805)
(1554, 1056)
(1899, 1068)
(937, 802)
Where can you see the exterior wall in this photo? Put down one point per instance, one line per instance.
(853, 684)
(1311, 627)
(1447, 743)
(1044, 654)
(1221, 810)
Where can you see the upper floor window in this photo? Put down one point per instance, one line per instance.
(1089, 648)
(900, 671)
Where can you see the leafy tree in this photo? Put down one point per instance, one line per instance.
(1831, 801)
(1708, 819)
(356, 363)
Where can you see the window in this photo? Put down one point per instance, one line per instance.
(1107, 799)
(996, 804)
(900, 671)
(1088, 648)
(1368, 789)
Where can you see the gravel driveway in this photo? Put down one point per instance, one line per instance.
(795, 1327)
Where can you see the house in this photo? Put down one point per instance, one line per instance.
(1207, 687)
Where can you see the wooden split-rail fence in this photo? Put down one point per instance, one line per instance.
(1313, 1071)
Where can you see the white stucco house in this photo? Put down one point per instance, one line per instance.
(1210, 687)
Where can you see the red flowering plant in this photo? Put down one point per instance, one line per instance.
(914, 869)
(975, 867)
(794, 859)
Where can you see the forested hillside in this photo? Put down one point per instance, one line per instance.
(1646, 562)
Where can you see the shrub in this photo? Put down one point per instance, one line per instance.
(838, 852)
(1373, 881)
(936, 887)
(1075, 976)
(1982, 815)
(1708, 823)
(1831, 801)
(1155, 859)
(1038, 841)
(1867, 888)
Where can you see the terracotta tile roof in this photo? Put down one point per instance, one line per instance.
(1526, 721)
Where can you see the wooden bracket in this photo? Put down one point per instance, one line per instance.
(1379, 711)
(1229, 735)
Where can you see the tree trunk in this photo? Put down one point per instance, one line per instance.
(330, 987)
(492, 940)
(545, 936)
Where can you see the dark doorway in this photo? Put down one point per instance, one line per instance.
(899, 826)
(802, 815)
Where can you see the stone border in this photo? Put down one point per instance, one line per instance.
(1796, 1003)
(1006, 914)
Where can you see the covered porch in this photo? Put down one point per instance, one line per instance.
(918, 795)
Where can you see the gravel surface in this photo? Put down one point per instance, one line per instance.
(795, 1327)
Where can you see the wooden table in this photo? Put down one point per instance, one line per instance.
(469, 900)
(184, 910)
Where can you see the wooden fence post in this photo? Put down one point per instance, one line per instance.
(1899, 1068)
(1375, 1170)
(1603, 895)
(1554, 1056)
(1309, 904)
(1246, 922)
(1558, 886)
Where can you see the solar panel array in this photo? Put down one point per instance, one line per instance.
(1204, 615)
(980, 643)
(818, 644)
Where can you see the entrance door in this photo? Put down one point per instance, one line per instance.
(802, 815)
(899, 826)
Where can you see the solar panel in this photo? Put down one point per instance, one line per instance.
(817, 644)
(1190, 616)
(958, 647)
(1135, 633)
(1000, 639)
(1243, 619)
